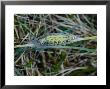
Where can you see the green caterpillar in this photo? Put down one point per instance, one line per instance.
(57, 39)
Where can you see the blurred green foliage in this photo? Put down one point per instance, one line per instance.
(76, 59)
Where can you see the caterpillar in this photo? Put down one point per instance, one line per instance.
(57, 39)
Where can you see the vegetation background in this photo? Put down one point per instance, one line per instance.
(79, 59)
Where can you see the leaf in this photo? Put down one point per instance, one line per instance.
(63, 55)
(83, 72)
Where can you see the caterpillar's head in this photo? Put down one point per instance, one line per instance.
(75, 37)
